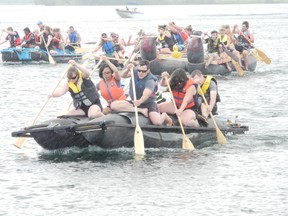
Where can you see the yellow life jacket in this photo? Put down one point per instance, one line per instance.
(205, 85)
(224, 39)
(76, 88)
(161, 37)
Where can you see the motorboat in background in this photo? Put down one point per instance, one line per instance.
(129, 12)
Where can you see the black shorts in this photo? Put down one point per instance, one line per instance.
(239, 48)
(151, 106)
(86, 108)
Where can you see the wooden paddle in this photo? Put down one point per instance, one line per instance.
(264, 57)
(186, 142)
(80, 50)
(22, 140)
(51, 60)
(138, 135)
(220, 137)
(234, 60)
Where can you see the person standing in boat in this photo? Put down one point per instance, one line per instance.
(12, 37)
(146, 87)
(82, 89)
(209, 88)
(73, 39)
(28, 40)
(184, 91)
(110, 84)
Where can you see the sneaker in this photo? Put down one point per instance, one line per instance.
(202, 120)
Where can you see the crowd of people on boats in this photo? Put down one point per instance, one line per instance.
(174, 40)
(171, 39)
(43, 37)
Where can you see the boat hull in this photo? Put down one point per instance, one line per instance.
(194, 59)
(116, 130)
(36, 54)
(123, 13)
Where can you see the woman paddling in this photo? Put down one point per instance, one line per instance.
(110, 84)
(184, 93)
(82, 89)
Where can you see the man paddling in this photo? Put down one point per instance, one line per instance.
(209, 88)
(146, 87)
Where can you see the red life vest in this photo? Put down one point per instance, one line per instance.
(179, 95)
(184, 35)
(26, 37)
(111, 92)
(36, 38)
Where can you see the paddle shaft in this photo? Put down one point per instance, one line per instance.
(175, 107)
(220, 137)
(138, 136)
(22, 140)
(188, 143)
(51, 60)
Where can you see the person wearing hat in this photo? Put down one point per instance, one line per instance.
(40, 25)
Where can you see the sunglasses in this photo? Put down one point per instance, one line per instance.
(106, 73)
(73, 78)
(142, 71)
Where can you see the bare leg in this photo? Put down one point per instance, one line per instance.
(166, 107)
(245, 56)
(94, 112)
(123, 105)
(188, 118)
(157, 118)
(76, 112)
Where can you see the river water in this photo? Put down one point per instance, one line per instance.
(248, 176)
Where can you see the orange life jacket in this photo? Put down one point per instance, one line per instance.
(179, 95)
(111, 92)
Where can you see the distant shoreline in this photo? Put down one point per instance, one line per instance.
(137, 2)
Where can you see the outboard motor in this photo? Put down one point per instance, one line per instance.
(195, 49)
(148, 48)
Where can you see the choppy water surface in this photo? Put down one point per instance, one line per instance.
(248, 176)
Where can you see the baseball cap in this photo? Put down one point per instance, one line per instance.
(39, 22)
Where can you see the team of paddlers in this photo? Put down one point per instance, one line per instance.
(188, 91)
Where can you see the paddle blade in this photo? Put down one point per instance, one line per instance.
(81, 50)
(87, 55)
(256, 56)
(139, 141)
(51, 60)
(20, 142)
(220, 137)
(263, 56)
(187, 144)
(238, 68)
